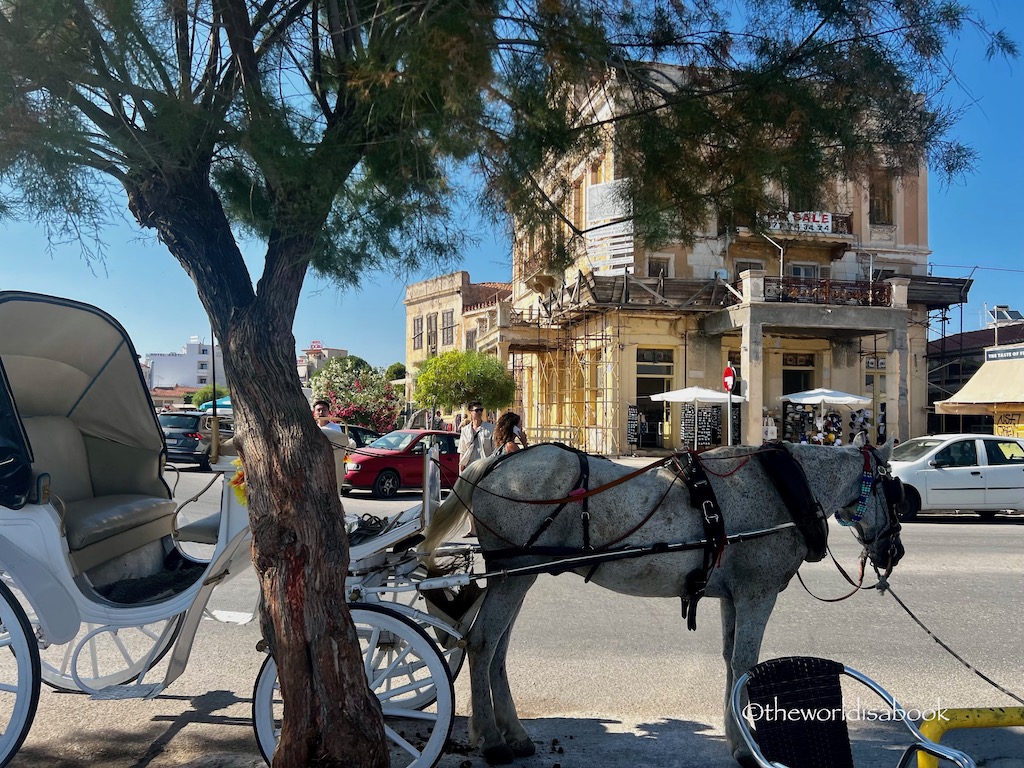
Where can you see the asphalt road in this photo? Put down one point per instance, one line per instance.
(607, 680)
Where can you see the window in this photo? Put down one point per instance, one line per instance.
(1004, 452)
(596, 171)
(803, 270)
(880, 198)
(659, 265)
(470, 340)
(202, 379)
(448, 327)
(743, 266)
(204, 351)
(417, 333)
(432, 331)
(654, 362)
(203, 366)
(576, 215)
(959, 454)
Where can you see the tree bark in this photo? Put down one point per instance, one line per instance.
(300, 548)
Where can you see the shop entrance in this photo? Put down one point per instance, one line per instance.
(654, 375)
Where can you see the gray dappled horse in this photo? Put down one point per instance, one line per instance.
(653, 507)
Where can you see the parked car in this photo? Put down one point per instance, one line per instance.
(361, 436)
(189, 436)
(396, 461)
(982, 473)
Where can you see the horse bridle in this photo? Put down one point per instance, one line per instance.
(893, 496)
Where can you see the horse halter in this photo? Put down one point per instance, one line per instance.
(893, 496)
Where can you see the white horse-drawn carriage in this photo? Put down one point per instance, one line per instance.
(97, 586)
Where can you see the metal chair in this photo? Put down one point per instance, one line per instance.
(796, 705)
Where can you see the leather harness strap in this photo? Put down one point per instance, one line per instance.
(578, 493)
(702, 497)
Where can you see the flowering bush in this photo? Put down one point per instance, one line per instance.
(358, 395)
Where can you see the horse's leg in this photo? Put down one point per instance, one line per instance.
(744, 618)
(505, 714)
(500, 607)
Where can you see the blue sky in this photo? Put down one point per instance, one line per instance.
(973, 227)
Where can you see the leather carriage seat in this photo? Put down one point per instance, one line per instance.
(98, 527)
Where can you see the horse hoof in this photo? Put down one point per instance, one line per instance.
(500, 755)
(524, 748)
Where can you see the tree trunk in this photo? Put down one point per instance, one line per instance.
(300, 548)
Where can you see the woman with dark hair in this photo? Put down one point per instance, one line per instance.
(508, 434)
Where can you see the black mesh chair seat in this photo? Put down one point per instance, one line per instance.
(796, 708)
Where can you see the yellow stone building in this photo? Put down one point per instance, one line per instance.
(835, 298)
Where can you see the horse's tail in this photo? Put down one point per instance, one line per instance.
(452, 511)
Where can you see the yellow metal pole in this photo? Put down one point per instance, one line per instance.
(980, 717)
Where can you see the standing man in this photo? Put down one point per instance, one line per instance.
(476, 439)
(341, 443)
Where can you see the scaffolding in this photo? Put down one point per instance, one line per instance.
(569, 389)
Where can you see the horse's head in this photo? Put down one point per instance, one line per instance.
(873, 513)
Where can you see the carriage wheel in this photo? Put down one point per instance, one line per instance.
(105, 655)
(453, 653)
(102, 656)
(19, 675)
(400, 662)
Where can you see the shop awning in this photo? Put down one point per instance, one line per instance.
(996, 387)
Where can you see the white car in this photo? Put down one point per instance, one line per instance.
(983, 473)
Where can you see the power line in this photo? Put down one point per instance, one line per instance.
(967, 266)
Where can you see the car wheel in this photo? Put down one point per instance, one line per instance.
(204, 463)
(910, 507)
(346, 491)
(986, 515)
(386, 485)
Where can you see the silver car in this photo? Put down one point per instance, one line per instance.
(980, 473)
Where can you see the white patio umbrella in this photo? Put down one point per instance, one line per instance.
(822, 396)
(696, 395)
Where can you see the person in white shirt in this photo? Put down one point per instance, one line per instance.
(476, 439)
(341, 443)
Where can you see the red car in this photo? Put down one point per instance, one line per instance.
(396, 461)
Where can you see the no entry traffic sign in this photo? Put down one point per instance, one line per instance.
(728, 378)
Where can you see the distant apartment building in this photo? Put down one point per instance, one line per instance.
(195, 366)
(314, 358)
(448, 313)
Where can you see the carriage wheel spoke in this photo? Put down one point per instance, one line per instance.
(393, 735)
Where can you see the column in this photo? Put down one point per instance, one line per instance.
(752, 368)
(897, 386)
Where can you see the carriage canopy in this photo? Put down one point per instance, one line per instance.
(65, 358)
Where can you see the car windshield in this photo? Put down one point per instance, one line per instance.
(394, 441)
(915, 449)
(178, 421)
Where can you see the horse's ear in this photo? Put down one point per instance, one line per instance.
(885, 451)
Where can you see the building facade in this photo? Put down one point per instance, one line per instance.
(836, 298)
(449, 313)
(314, 358)
(194, 366)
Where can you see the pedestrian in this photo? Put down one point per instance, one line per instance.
(438, 421)
(457, 423)
(341, 443)
(476, 439)
(509, 435)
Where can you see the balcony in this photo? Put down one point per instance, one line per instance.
(811, 291)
